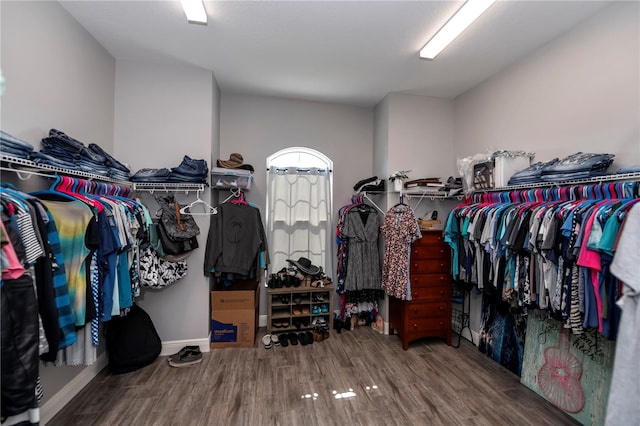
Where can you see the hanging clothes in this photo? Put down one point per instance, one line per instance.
(236, 243)
(549, 249)
(399, 230)
(361, 230)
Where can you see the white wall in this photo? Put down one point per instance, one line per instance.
(162, 114)
(420, 139)
(56, 76)
(578, 93)
(258, 126)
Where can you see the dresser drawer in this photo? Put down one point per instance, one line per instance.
(430, 252)
(423, 280)
(430, 239)
(430, 266)
(430, 293)
(419, 310)
(427, 326)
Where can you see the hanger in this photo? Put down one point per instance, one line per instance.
(238, 198)
(209, 210)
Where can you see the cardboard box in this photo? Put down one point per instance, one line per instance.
(234, 314)
(234, 329)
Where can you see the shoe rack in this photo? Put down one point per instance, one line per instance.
(288, 306)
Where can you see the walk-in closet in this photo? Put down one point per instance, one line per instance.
(320, 213)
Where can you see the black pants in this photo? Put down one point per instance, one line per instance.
(19, 325)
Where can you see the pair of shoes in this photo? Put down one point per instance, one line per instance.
(378, 325)
(324, 308)
(280, 323)
(300, 322)
(339, 325)
(274, 281)
(305, 338)
(266, 340)
(315, 309)
(320, 334)
(293, 338)
(284, 299)
(189, 355)
(316, 283)
(318, 298)
(284, 340)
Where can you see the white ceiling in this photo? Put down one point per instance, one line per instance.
(350, 52)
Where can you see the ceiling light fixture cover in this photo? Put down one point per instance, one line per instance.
(469, 12)
(194, 9)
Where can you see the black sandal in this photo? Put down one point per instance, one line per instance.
(284, 341)
(293, 339)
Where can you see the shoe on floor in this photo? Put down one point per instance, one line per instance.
(184, 351)
(185, 358)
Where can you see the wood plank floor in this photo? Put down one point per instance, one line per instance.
(430, 384)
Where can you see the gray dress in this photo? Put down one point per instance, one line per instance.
(362, 227)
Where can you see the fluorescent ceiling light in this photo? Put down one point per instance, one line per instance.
(464, 17)
(194, 9)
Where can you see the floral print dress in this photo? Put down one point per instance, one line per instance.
(399, 229)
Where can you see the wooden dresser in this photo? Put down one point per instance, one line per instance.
(428, 313)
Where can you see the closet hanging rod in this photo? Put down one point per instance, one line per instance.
(27, 172)
(152, 187)
(593, 180)
(45, 167)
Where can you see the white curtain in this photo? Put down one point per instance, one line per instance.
(299, 216)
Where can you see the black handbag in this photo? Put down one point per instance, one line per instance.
(171, 246)
(177, 226)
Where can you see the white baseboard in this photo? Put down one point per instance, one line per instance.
(173, 346)
(262, 321)
(57, 402)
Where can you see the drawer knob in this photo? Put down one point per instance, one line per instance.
(441, 251)
(441, 292)
(441, 277)
(415, 310)
(441, 324)
(441, 308)
(442, 265)
(415, 325)
(415, 294)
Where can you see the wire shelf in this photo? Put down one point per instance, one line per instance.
(168, 187)
(28, 164)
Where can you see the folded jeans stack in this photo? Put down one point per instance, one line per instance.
(14, 147)
(189, 171)
(61, 150)
(531, 174)
(575, 166)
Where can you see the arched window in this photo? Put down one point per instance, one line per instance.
(299, 206)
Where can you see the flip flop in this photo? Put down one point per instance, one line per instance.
(266, 339)
(284, 340)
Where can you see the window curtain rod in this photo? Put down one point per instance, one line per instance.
(298, 170)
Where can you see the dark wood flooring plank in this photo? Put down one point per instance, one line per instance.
(430, 384)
